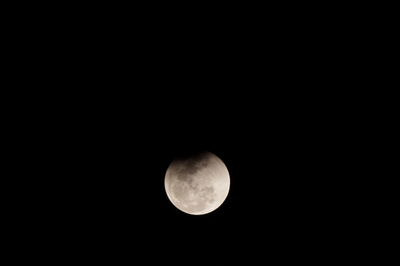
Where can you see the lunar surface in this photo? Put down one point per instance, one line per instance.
(198, 184)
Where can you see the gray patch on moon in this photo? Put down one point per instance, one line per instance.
(179, 191)
(207, 194)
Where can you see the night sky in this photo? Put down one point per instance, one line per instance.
(109, 156)
(104, 135)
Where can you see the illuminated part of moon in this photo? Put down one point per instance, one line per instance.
(198, 184)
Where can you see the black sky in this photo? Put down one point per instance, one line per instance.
(113, 113)
(108, 159)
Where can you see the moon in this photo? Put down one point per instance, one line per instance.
(197, 184)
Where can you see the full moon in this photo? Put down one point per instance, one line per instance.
(198, 184)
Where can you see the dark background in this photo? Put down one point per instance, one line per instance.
(102, 162)
(115, 102)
